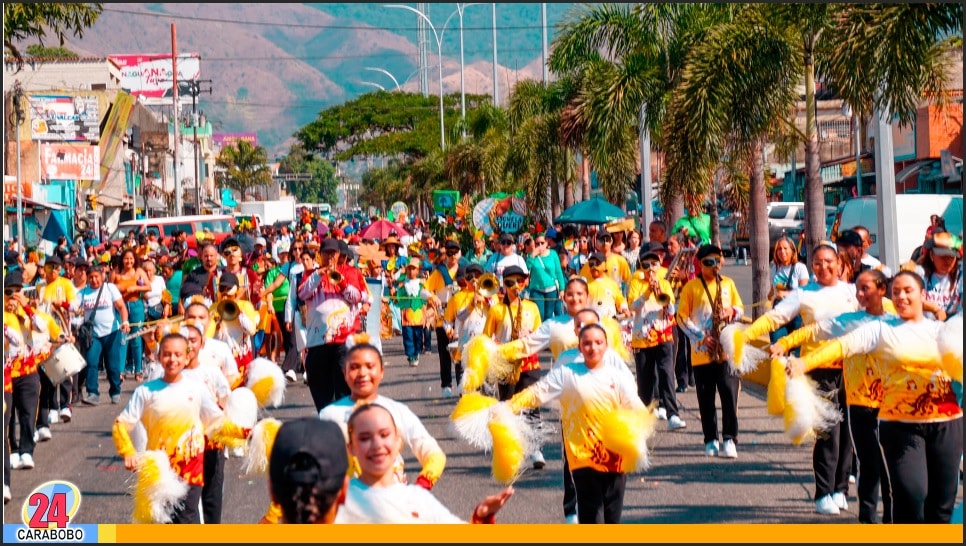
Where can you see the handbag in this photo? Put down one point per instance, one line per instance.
(85, 332)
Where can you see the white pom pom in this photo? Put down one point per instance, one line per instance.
(743, 358)
(242, 408)
(806, 411)
(158, 489)
(266, 380)
(260, 446)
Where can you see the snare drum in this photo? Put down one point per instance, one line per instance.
(63, 363)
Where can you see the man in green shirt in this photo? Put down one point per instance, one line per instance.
(698, 225)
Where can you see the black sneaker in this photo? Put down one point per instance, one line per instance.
(682, 388)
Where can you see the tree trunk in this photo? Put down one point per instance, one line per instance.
(584, 177)
(715, 224)
(814, 187)
(758, 228)
(673, 211)
(568, 197)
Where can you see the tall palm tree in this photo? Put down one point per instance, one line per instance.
(243, 167)
(736, 90)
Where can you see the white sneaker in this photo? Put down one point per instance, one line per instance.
(53, 416)
(43, 434)
(572, 519)
(662, 414)
(675, 423)
(26, 461)
(413, 363)
(447, 392)
(840, 500)
(729, 450)
(711, 448)
(16, 462)
(538, 460)
(851, 478)
(291, 377)
(66, 415)
(826, 506)
(6, 494)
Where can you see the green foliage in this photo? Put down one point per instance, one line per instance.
(38, 51)
(25, 21)
(321, 188)
(243, 167)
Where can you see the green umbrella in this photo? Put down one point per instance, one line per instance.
(592, 211)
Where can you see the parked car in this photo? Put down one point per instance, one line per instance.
(784, 216)
(221, 226)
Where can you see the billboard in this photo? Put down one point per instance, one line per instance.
(64, 118)
(230, 139)
(70, 161)
(148, 77)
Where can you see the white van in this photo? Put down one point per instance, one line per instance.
(912, 218)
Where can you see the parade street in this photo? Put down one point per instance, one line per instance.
(771, 481)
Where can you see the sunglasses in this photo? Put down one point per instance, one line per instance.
(510, 283)
(506, 242)
(11, 291)
(606, 239)
(452, 252)
(593, 264)
(231, 252)
(472, 276)
(648, 265)
(710, 262)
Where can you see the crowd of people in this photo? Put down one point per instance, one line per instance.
(643, 323)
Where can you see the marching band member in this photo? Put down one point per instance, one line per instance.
(249, 281)
(31, 334)
(442, 283)
(59, 297)
(920, 420)
(511, 319)
(606, 296)
(393, 267)
(652, 337)
(331, 294)
(702, 316)
(822, 298)
(863, 392)
(614, 266)
(233, 321)
(466, 312)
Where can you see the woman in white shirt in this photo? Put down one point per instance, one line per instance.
(106, 309)
(154, 306)
(376, 496)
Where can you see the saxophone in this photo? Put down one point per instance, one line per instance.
(717, 325)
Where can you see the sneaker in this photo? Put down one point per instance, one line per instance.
(16, 462)
(851, 478)
(682, 388)
(572, 519)
(66, 415)
(711, 449)
(414, 363)
(662, 414)
(840, 500)
(675, 423)
(6, 494)
(447, 392)
(43, 434)
(291, 377)
(26, 461)
(538, 460)
(826, 506)
(238, 452)
(53, 416)
(305, 378)
(91, 400)
(729, 450)
(116, 399)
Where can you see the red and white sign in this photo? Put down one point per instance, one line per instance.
(148, 77)
(10, 189)
(70, 161)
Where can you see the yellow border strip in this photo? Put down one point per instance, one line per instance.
(680, 533)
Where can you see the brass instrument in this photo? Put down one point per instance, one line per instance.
(683, 261)
(334, 276)
(227, 310)
(717, 325)
(152, 328)
(487, 285)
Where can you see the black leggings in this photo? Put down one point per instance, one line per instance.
(323, 369)
(864, 426)
(600, 495)
(832, 454)
(709, 379)
(923, 463)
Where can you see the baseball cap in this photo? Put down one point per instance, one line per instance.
(849, 238)
(474, 268)
(13, 278)
(708, 250)
(506, 239)
(944, 244)
(452, 245)
(54, 260)
(514, 270)
(599, 256)
(330, 244)
(261, 241)
(230, 242)
(228, 279)
(10, 257)
(308, 451)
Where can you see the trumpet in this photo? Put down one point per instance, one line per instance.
(334, 276)
(227, 310)
(152, 328)
(487, 285)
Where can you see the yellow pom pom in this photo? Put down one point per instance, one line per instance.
(483, 359)
(157, 488)
(260, 446)
(776, 387)
(625, 433)
(266, 380)
(470, 419)
(951, 347)
(509, 446)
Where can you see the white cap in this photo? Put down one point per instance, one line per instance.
(261, 241)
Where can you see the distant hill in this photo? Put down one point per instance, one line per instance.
(274, 67)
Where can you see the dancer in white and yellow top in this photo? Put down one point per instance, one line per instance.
(920, 421)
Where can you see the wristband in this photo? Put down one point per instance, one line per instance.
(423, 481)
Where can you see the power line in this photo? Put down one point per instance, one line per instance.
(304, 25)
(361, 56)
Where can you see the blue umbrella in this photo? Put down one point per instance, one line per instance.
(592, 211)
(56, 226)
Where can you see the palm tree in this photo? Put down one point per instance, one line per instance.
(242, 167)
(736, 90)
(481, 157)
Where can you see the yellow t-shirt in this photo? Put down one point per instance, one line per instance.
(437, 286)
(694, 314)
(499, 321)
(60, 291)
(653, 322)
(617, 269)
(605, 296)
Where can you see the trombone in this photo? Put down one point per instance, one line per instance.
(487, 285)
(226, 310)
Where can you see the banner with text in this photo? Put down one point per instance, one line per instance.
(114, 129)
(149, 77)
(63, 118)
(70, 161)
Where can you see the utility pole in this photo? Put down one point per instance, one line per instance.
(178, 198)
(195, 87)
(423, 42)
(18, 111)
(543, 13)
(496, 80)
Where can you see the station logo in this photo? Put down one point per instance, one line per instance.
(47, 515)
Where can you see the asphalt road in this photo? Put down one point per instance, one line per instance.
(770, 481)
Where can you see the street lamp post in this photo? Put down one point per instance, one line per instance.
(439, 49)
(460, 9)
(386, 72)
(20, 117)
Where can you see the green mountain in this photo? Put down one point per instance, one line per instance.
(274, 67)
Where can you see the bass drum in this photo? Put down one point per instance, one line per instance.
(65, 361)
